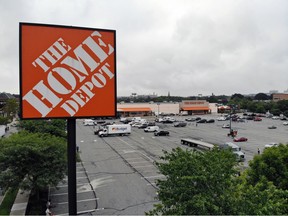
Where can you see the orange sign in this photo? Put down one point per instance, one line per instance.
(67, 71)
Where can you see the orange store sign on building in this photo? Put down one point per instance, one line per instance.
(67, 71)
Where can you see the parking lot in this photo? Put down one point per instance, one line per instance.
(117, 174)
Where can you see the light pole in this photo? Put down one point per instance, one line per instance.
(158, 104)
(231, 109)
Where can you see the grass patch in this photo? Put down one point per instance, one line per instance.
(8, 201)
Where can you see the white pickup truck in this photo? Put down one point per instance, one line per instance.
(235, 149)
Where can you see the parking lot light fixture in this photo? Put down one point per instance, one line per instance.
(158, 104)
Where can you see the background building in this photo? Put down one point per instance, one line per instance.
(279, 96)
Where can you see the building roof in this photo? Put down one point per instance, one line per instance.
(5, 96)
(194, 108)
(135, 109)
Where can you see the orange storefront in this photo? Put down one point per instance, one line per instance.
(134, 111)
(194, 107)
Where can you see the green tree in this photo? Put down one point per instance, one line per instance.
(55, 127)
(11, 108)
(260, 108)
(237, 96)
(207, 184)
(262, 96)
(33, 161)
(263, 198)
(283, 106)
(4, 120)
(196, 183)
(273, 165)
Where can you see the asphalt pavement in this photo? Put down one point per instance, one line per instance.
(118, 175)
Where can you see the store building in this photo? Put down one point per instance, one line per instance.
(146, 109)
(134, 111)
(191, 107)
(279, 96)
(194, 107)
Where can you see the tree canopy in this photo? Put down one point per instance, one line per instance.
(197, 183)
(32, 160)
(272, 165)
(55, 127)
(207, 183)
(262, 96)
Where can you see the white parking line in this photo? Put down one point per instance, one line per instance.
(138, 158)
(80, 172)
(135, 162)
(126, 143)
(78, 192)
(134, 148)
(148, 177)
(66, 185)
(78, 201)
(143, 166)
(77, 178)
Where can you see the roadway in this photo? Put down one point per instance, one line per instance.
(117, 175)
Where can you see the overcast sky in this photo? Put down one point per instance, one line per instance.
(185, 47)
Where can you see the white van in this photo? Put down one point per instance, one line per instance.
(151, 129)
(89, 122)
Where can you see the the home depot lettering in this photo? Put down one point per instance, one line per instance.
(88, 68)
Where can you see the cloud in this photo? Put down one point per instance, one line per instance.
(185, 47)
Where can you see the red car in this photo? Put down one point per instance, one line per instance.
(240, 139)
(257, 119)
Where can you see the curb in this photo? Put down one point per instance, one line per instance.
(20, 204)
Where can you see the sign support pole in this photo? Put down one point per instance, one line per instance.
(71, 151)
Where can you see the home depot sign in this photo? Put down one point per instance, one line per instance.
(67, 71)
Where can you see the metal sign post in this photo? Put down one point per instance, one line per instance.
(71, 151)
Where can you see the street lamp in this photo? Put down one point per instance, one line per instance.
(158, 104)
(231, 109)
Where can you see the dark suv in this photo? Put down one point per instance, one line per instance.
(161, 133)
(180, 124)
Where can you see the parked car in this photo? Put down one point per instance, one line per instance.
(285, 123)
(161, 133)
(98, 130)
(222, 118)
(271, 145)
(272, 127)
(210, 121)
(151, 123)
(167, 121)
(151, 129)
(137, 124)
(250, 117)
(240, 139)
(225, 126)
(190, 119)
(142, 126)
(257, 119)
(89, 122)
(240, 120)
(202, 121)
(180, 124)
